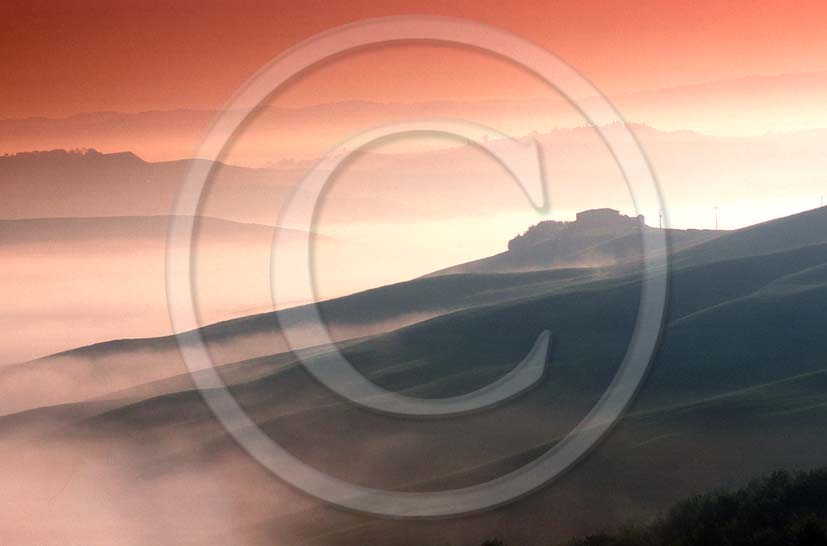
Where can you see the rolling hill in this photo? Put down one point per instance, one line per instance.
(596, 238)
(736, 389)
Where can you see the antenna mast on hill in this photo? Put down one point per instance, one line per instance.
(660, 218)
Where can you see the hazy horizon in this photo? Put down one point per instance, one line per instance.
(418, 305)
(391, 215)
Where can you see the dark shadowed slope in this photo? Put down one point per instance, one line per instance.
(737, 389)
(798, 230)
(115, 365)
(386, 308)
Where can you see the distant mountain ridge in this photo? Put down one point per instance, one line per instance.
(130, 228)
(88, 183)
(746, 99)
(63, 154)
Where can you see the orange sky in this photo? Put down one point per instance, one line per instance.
(65, 57)
(61, 58)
